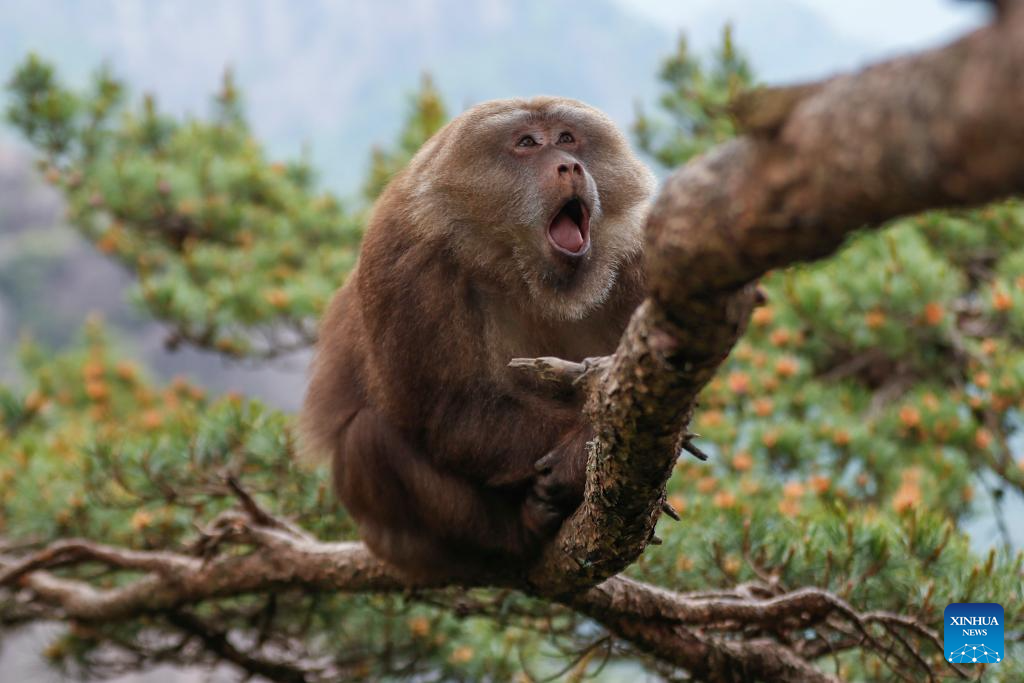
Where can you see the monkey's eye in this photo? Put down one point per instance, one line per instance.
(566, 138)
(526, 141)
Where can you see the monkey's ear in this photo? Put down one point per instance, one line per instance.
(762, 112)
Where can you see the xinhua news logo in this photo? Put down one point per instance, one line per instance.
(973, 633)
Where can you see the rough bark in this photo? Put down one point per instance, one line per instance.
(942, 128)
(938, 129)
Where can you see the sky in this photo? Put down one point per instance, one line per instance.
(899, 23)
(881, 26)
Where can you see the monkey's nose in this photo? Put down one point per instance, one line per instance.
(565, 169)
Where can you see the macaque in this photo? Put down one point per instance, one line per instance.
(515, 231)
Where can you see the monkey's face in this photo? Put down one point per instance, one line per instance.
(543, 193)
(549, 160)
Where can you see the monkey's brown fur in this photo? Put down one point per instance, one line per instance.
(435, 441)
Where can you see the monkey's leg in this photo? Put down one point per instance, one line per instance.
(405, 502)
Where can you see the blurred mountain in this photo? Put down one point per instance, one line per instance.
(336, 75)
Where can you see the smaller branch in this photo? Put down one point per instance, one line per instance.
(256, 513)
(217, 643)
(890, 620)
(667, 508)
(69, 552)
(281, 558)
(822, 646)
(911, 651)
(303, 337)
(623, 604)
(579, 661)
(692, 449)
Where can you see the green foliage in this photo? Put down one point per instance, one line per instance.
(427, 114)
(856, 428)
(237, 253)
(43, 113)
(694, 103)
(92, 448)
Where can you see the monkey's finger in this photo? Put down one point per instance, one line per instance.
(545, 464)
(670, 511)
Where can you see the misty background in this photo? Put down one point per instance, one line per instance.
(333, 79)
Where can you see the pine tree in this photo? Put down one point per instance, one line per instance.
(859, 428)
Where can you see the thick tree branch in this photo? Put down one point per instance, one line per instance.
(938, 129)
(933, 130)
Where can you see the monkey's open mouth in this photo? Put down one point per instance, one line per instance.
(569, 230)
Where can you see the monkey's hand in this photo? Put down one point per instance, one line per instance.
(559, 479)
(557, 488)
